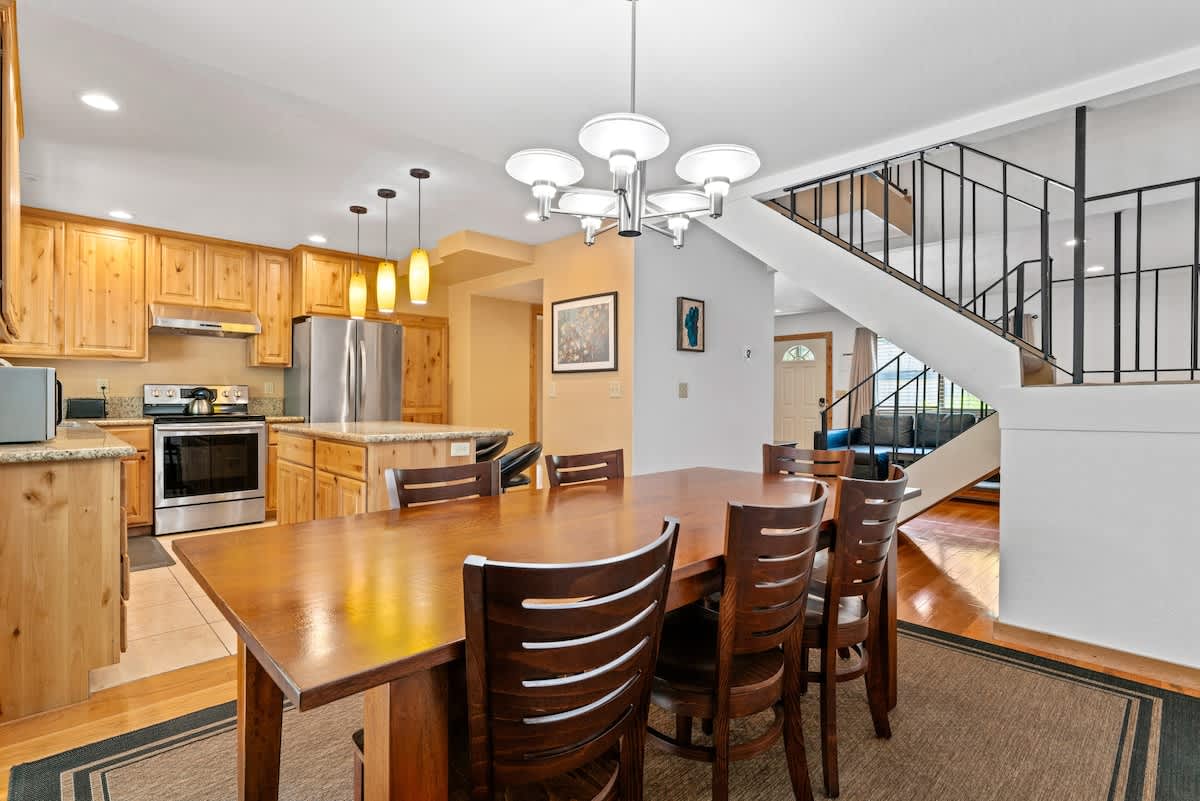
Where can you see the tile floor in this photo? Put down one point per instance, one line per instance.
(171, 623)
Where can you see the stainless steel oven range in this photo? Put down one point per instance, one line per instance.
(210, 457)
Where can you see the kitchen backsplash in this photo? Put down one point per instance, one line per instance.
(123, 406)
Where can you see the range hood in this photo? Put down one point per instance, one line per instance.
(167, 318)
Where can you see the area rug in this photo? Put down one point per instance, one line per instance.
(975, 722)
(146, 552)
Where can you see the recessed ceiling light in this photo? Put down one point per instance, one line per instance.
(100, 101)
(120, 214)
(1096, 268)
(317, 239)
(532, 216)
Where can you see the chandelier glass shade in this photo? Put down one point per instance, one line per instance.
(627, 140)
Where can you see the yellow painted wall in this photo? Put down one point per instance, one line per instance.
(500, 351)
(173, 360)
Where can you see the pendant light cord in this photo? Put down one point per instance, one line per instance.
(385, 229)
(633, 56)
(419, 241)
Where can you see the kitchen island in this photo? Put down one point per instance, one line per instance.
(327, 470)
(64, 573)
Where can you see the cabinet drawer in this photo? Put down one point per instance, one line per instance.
(272, 435)
(137, 436)
(345, 460)
(296, 449)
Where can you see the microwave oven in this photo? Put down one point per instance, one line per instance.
(30, 403)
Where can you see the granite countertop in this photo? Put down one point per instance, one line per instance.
(284, 418)
(390, 431)
(105, 422)
(74, 440)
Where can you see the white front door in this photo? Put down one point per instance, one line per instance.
(800, 370)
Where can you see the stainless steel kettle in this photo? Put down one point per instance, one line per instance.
(201, 402)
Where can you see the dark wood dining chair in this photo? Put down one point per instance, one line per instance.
(747, 660)
(843, 605)
(412, 486)
(798, 461)
(580, 467)
(560, 660)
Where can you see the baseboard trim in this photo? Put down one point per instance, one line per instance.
(1181, 677)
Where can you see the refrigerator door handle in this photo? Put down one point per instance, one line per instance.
(350, 384)
(362, 372)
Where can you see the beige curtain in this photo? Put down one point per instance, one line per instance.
(1029, 328)
(862, 364)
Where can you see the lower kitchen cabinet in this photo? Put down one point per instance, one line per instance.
(339, 496)
(272, 479)
(294, 493)
(139, 474)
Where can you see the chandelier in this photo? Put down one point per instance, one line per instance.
(627, 140)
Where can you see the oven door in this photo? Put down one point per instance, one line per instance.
(209, 462)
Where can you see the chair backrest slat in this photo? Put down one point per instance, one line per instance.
(866, 524)
(799, 461)
(560, 658)
(768, 562)
(420, 485)
(580, 467)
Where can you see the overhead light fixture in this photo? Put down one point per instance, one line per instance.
(120, 214)
(1096, 268)
(358, 281)
(100, 101)
(418, 262)
(385, 274)
(627, 140)
(317, 239)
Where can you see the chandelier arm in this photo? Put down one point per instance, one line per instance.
(657, 229)
(566, 213)
(658, 215)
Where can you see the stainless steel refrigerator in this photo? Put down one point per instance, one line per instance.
(345, 371)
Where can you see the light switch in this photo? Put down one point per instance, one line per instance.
(683, 389)
(552, 389)
(460, 449)
(614, 389)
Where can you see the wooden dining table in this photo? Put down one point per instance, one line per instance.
(373, 603)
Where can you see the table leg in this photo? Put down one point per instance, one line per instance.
(259, 729)
(407, 739)
(887, 613)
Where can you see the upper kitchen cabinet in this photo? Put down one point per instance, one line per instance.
(274, 345)
(231, 281)
(105, 292)
(36, 290)
(426, 369)
(322, 282)
(176, 271)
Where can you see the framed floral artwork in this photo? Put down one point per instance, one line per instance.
(689, 325)
(584, 334)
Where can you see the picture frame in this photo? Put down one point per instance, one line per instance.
(689, 325)
(583, 334)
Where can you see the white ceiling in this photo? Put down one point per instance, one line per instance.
(263, 120)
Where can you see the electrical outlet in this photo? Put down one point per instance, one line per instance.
(102, 385)
(683, 389)
(460, 449)
(269, 387)
(614, 389)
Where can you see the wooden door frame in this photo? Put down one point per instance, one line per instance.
(535, 311)
(828, 337)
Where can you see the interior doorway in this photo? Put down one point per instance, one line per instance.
(803, 385)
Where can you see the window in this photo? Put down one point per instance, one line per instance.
(799, 353)
(931, 392)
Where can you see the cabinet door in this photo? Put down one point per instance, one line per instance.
(426, 370)
(35, 289)
(352, 496)
(327, 501)
(176, 271)
(294, 498)
(327, 284)
(230, 278)
(274, 345)
(105, 292)
(139, 489)
(272, 479)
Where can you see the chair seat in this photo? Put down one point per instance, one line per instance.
(850, 611)
(595, 781)
(685, 676)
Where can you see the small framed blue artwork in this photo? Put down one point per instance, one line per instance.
(689, 325)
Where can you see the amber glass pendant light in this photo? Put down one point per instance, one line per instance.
(385, 275)
(358, 281)
(418, 262)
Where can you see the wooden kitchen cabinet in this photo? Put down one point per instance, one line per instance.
(175, 271)
(321, 282)
(272, 479)
(294, 493)
(274, 296)
(11, 131)
(230, 277)
(35, 291)
(339, 496)
(138, 474)
(105, 292)
(426, 370)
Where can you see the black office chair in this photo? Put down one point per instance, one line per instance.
(514, 464)
(488, 448)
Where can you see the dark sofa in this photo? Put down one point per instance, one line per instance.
(906, 433)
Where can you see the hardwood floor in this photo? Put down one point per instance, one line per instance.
(948, 580)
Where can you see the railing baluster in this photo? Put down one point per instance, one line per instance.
(1195, 318)
(913, 209)
(852, 210)
(837, 205)
(895, 416)
(1137, 292)
(974, 251)
(793, 203)
(1156, 274)
(1080, 243)
(942, 224)
(862, 236)
(1019, 311)
(961, 198)
(921, 280)
(817, 203)
(1047, 273)
(886, 218)
(1004, 246)
(1117, 298)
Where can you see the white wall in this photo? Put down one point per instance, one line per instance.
(842, 328)
(728, 412)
